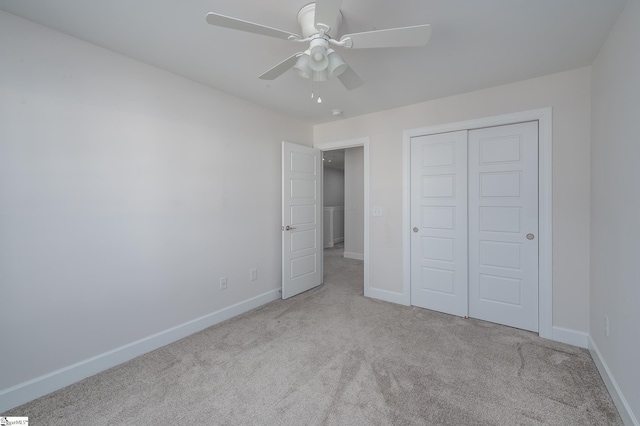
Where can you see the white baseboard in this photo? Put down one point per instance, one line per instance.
(570, 337)
(35, 388)
(351, 255)
(385, 295)
(619, 400)
(338, 240)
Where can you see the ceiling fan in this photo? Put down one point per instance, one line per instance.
(319, 23)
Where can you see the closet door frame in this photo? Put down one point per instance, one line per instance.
(545, 274)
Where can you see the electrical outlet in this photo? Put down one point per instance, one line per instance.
(253, 274)
(606, 326)
(223, 283)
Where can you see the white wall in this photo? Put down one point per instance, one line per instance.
(354, 203)
(333, 187)
(615, 206)
(568, 93)
(126, 192)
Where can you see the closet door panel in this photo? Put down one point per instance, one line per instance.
(503, 225)
(439, 222)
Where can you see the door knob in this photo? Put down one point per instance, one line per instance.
(288, 228)
(415, 229)
(530, 236)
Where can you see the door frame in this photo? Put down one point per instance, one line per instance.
(354, 143)
(545, 197)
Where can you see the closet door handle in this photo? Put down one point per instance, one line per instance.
(530, 236)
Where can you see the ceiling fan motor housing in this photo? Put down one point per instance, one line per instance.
(306, 19)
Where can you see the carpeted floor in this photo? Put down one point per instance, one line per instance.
(331, 356)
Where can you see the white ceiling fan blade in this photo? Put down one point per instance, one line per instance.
(281, 68)
(350, 79)
(394, 37)
(250, 27)
(326, 12)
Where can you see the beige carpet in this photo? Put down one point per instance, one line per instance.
(331, 356)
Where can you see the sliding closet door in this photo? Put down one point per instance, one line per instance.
(439, 222)
(503, 225)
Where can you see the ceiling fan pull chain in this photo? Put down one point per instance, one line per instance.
(315, 91)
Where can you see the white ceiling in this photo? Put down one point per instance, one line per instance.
(475, 44)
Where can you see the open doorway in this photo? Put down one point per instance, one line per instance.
(345, 209)
(343, 195)
(333, 197)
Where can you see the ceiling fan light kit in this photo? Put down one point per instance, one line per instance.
(320, 62)
(319, 23)
(322, 75)
(302, 66)
(336, 65)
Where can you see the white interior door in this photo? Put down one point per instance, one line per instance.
(301, 219)
(503, 225)
(439, 222)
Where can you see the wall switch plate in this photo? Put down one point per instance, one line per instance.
(377, 211)
(223, 283)
(253, 274)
